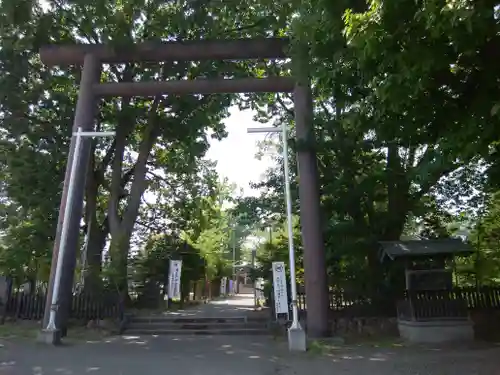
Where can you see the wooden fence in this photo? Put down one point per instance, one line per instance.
(347, 305)
(448, 304)
(31, 306)
(455, 303)
(353, 305)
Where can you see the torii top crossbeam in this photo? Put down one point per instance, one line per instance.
(230, 49)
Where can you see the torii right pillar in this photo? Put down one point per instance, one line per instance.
(310, 213)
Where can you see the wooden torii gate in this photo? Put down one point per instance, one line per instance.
(92, 56)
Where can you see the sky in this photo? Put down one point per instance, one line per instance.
(235, 154)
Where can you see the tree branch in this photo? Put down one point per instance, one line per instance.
(323, 106)
(140, 170)
(288, 111)
(162, 179)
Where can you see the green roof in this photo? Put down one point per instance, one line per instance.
(447, 246)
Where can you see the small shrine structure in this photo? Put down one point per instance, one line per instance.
(431, 310)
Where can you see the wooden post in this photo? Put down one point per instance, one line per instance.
(310, 213)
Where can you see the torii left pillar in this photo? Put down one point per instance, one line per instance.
(86, 110)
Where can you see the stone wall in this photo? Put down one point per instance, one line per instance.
(364, 326)
(374, 326)
(486, 325)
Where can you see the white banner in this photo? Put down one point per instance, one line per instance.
(280, 291)
(174, 279)
(223, 282)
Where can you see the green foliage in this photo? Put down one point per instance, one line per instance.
(160, 141)
(23, 250)
(274, 248)
(151, 264)
(406, 101)
(485, 237)
(403, 95)
(204, 244)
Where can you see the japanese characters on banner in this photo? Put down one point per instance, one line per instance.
(280, 291)
(223, 287)
(174, 279)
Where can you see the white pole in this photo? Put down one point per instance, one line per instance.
(288, 197)
(64, 233)
(291, 251)
(51, 326)
(234, 255)
(270, 129)
(296, 335)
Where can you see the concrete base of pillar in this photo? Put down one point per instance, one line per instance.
(437, 331)
(49, 336)
(297, 339)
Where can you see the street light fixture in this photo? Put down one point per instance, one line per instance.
(296, 335)
(79, 134)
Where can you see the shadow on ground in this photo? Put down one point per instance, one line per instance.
(231, 355)
(236, 355)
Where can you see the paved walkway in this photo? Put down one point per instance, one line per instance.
(230, 355)
(223, 355)
(231, 306)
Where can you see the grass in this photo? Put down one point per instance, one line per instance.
(323, 346)
(375, 341)
(329, 345)
(30, 329)
(19, 330)
(78, 334)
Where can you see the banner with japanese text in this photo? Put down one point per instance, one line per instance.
(280, 290)
(223, 286)
(174, 278)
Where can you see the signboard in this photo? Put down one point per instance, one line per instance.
(231, 287)
(174, 279)
(279, 286)
(223, 288)
(436, 279)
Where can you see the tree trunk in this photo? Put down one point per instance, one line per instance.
(398, 195)
(121, 226)
(96, 232)
(95, 246)
(118, 250)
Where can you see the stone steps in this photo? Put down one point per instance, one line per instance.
(196, 326)
(155, 319)
(199, 332)
(167, 325)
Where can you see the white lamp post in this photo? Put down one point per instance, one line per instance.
(296, 335)
(79, 134)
